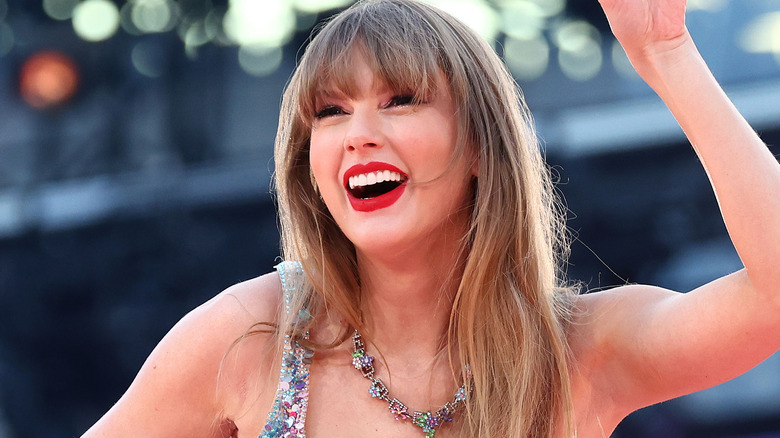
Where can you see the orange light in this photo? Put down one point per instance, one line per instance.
(48, 79)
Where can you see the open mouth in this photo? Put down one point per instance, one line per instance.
(373, 184)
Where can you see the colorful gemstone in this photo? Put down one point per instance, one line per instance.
(366, 361)
(375, 390)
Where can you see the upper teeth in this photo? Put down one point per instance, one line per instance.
(366, 179)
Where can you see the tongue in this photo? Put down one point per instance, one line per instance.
(374, 190)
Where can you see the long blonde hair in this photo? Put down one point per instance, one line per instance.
(510, 293)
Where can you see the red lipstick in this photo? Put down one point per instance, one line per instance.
(381, 201)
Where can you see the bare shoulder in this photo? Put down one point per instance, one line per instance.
(596, 314)
(216, 325)
(186, 386)
(595, 310)
(637, 345)
(255, 300)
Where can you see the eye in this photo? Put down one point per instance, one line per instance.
(328, 111)
(403, 100)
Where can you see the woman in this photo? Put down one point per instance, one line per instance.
(412, 192)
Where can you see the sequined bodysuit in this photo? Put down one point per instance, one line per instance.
(288, 415)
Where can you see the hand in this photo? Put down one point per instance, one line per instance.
(646, 27)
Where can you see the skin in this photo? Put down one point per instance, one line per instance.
(424, 227)
(627, 342)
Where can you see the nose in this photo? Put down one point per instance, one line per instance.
(364, 131)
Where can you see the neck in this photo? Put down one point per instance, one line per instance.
(407, 300)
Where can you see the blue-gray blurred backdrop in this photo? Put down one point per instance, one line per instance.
(136, 155)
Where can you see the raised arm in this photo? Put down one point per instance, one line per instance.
(743, 172)
(651, 344)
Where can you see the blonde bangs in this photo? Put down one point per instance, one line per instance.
(395, 45)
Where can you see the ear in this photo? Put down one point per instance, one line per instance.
(475, 167)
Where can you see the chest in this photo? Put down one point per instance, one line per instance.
(341, 404)
(332, 398)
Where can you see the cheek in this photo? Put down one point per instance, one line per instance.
(429, 148)
(324, 162)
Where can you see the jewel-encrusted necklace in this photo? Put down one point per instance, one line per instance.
(427, 421)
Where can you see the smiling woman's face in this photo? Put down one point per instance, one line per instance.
(384, 165)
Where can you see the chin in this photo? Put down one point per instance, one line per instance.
(384, 243)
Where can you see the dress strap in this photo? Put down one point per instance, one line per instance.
(291, 274)
(288, 415)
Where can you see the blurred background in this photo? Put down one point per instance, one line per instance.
(136, 151)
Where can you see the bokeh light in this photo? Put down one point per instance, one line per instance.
(259, 60)
(126, 19)
(707, 5)
(582, 64)
(148, 59)
(527, 59)
(195, 33)
(95, 20)
(269, 24)
(478, 14)
(579, 44)
(523, 20)
(152, 16)
(59, 9)
(317, 6)
(48, 79)
(551, 7)
(574, 35)
(762, 35)
(530, 28)
(548, 8)
(213, 26)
